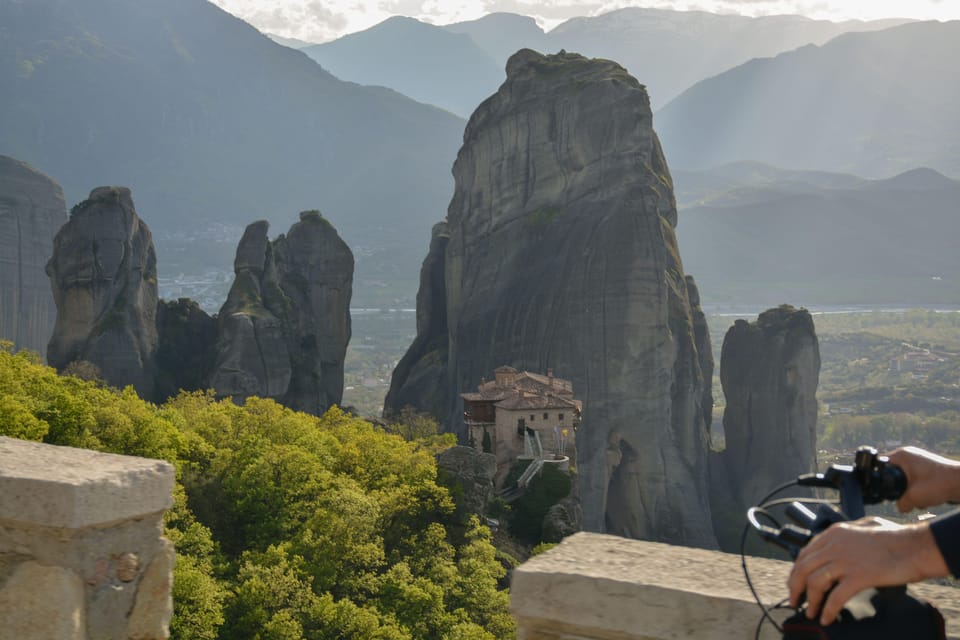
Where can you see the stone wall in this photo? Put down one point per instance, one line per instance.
(599, 587)
(82, 555)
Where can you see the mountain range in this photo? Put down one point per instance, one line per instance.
(211, 123)
(874, 104)
(755, 233)
(667, 50)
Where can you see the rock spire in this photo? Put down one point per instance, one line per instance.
(32, 210)
(104, 278)
(562, 255)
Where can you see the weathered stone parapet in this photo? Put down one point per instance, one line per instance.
(82, 555)
(599, 587)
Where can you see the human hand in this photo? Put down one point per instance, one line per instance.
(852, 556)
(931, 479)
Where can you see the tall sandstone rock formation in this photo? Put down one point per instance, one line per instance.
(769, 370)
(103, 273)
(32, 210)
(562, 255)
(285, 326)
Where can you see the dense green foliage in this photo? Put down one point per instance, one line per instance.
(286, 525)
(546, 489)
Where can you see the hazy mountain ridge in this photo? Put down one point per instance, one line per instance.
(426, 63)
(808, 237)
(666, 50)
(873, 104)
(209, 121)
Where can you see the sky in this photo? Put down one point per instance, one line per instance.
(324, 20)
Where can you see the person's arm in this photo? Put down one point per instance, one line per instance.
(946, 533)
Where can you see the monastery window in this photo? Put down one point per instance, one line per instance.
(532, 417)
(521, 427)
(560, 417)
(546, 416)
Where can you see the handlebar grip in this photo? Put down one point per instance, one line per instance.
(888, 482)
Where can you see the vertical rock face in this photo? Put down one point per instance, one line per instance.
(420, 379)
(285, 325)
(186, 347)
(701, 338)
(32, 210)
(104, 278)
(769, 370)
(562, 254)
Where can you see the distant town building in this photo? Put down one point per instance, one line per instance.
(917, 361)
(523, 415)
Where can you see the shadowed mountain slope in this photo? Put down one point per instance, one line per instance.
(210, 121)
(424, 62)
(873, 104)
(820, 238)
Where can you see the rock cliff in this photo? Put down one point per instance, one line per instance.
(769, 370)
(103, 273)
(186, 348)
(701, 338)
(284, 329)
(420, 378)
(32, 210)
(562, 255)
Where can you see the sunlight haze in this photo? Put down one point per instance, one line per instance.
(315, 21)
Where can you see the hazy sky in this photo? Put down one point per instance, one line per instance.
(322, 20)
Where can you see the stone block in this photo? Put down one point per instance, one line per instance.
(153, 608)
(602, 587)
(63, 487)
(39, 602)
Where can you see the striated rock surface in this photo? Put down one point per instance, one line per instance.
(103, 273)
(284, 329)
(562, 255)
(769, 370)
(701, 338)
(32, 210)
(420, 379)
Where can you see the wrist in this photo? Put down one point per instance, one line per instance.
(926, 560)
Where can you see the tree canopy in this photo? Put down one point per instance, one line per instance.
(286, 525)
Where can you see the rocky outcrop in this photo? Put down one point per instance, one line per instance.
(284, 329)
(186, 348)
(103, 273)
(769, 370)
(469, 475)
(701, 338)
(420, 378)
(562, 255)
(32, 210)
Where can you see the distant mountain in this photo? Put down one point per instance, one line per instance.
(210, 123)
(424, 62)
(873, 104)
(731, 183)
(669, 51)
(776, 236)
(666, 50)
(293, 43)
(501, 35)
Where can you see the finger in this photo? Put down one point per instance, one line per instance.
(818, 583)
(809, 561)
(841, 594)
